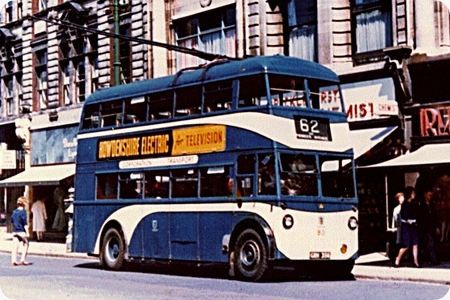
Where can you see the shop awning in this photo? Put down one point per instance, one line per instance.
(43, 175)
(432, 154)
(365, 139)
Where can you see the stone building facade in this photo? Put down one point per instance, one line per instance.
(54, 54)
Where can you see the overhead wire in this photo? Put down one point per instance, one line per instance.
(198, 53)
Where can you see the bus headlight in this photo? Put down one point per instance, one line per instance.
(352, 223)
(288, 221)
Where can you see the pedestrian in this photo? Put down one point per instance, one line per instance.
(409, 232)
(39, 218)
(396, 221)
(428, 227)
(443, 205)
(59, 221)
(20, 232)
(399, 198)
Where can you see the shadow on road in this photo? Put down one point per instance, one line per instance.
(221, 272)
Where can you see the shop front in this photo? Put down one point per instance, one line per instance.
(426, 165)
(12, 161)
(373, 102)
(427, 168)
(49, 175)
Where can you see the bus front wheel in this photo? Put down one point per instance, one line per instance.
(113, 250)
(250, 257)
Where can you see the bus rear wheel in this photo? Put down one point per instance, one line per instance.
(250, 259)
(113, 250)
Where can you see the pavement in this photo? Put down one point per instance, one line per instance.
(371, 266)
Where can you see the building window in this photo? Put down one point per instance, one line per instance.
(125, 53)
(302, 24)
(42, 5)
(92, 70)
(42, 89)
(41, 77)
(213, 32)
(65, 80)
(9, 95)
(78, 64)
(9, 12)
(92, 66)
(372, 28)
(80, 86)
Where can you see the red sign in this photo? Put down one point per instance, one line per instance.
(435, 121)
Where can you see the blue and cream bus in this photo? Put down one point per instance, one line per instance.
(244, 162)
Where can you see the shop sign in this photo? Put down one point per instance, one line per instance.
(7, 159)
(52, 146)
(368, 100)
(435, 121)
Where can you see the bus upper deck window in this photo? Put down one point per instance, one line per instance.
(111, 113)
(91, 117)
(188, 101)
(135, 110)
(330, 98)
(218, 96)
(252, 91)
(161, 105)
(95, 120)
(324, 96)
(287, 91)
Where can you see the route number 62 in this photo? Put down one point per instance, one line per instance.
(312, 128)
(309, 126)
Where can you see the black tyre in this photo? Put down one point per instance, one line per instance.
(112, 256)
(250, 256)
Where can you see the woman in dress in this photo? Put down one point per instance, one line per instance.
(39, 218)
(409, 232)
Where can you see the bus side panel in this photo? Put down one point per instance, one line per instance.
(183, 236)
(151, 237)
(86, 151)
(156, 236)
(212, 228)
(85, 227)
(88, 220)
(85, 183)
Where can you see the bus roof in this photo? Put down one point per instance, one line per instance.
(219, 70)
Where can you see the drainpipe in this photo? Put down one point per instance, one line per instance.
(116, 43)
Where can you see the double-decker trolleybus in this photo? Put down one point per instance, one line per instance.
(242, 162)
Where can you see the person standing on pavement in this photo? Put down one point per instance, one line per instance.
(409, 232)
(428, 227)
(396, 220)
(39, 218)
(20, 232)
(443, 205)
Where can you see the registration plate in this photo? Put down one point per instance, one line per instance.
(319, 255)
